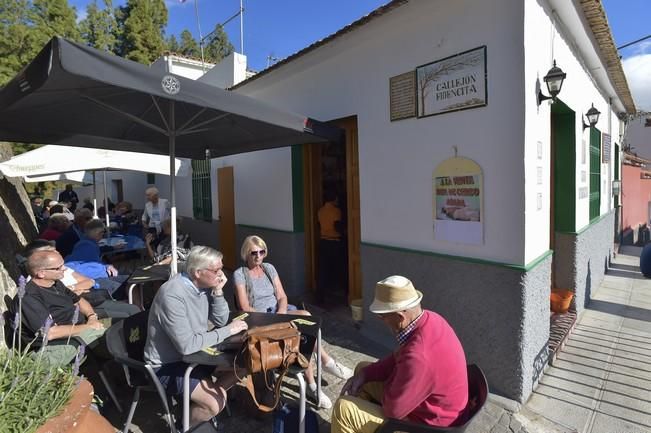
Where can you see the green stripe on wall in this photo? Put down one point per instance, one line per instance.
(297, 189)
(524, 268)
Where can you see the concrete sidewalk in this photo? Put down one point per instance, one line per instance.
(600, 381)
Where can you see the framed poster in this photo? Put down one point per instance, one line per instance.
(455, 83)
(457, 185)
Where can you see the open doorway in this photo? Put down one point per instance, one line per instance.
(333, 259)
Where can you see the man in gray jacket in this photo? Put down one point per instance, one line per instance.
(178, 325)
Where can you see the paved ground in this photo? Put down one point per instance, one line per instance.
(599, 382)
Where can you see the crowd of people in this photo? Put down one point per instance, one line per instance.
(423, 380)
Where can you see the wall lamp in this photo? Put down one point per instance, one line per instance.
(593, 117)
(554, 81)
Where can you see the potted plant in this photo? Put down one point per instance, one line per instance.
(36, 396)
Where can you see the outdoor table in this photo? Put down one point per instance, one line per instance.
(133, 243)
(145, 274)
(310, 328)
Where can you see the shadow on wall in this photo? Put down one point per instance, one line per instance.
(588, 287)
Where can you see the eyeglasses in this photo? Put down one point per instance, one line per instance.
(214, 271)
(258, 253)
(59, 268)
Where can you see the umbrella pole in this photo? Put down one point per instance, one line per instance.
(94, 197)
(106, 212)
(172, 135)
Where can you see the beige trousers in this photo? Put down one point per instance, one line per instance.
(362, 413)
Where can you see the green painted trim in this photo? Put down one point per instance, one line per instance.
(265, 228)
(523, 268)
(590, 224)
(298, 203)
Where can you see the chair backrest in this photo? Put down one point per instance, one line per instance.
(477, 391)
(125, 341)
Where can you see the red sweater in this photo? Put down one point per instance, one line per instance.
(426, 379)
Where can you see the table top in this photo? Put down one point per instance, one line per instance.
(224, 353)
(131, 243)
(143, 274)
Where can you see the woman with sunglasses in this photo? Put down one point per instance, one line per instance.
(258, 288)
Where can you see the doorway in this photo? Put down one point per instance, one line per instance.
(333, 168)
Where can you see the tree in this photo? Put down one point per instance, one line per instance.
(99, 27)
(53, 18)
(217, 45)
(17, 45)
(189, 46)
(140, 30)
(172, 44)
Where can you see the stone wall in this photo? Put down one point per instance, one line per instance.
(18, 227)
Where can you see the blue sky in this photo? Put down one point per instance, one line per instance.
(280, 28)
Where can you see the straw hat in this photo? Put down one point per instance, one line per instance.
(394, 293)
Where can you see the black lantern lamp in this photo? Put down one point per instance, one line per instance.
(593, 117)
(554, 81)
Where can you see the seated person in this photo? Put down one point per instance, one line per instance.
(160, 248)
(258, 288)
(71, 236)
(86, 258)
(83, 286)
(425, 381)
(179, 325)
(56, 224)
(46, 297)
(124, 215)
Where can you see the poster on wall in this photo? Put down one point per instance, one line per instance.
(455, 83)
(457, 185)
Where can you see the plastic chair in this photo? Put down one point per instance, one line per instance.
(477, 395)
(126, 342)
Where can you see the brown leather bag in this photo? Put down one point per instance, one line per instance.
(267, 348)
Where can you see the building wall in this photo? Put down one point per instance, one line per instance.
(547, 39)
(636, 196)
(590, 251)
(353, 74)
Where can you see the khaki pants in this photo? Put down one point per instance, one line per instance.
(62, 354)
(362, 413)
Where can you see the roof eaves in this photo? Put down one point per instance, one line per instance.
(596, 16)
(349, 28)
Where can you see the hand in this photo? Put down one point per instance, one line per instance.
(111, 271)
(237, 326)
(95, 324)
(149, 238)
(221, 280)
(353, 385)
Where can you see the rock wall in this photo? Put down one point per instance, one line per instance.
(17, 225)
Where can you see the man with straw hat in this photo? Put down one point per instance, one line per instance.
(425, 380)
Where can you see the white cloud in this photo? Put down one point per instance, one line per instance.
(638, 74)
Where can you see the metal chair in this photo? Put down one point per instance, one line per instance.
(477, 395)
(126, 342)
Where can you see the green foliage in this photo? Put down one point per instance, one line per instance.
(53, 18)
(17, 43)
(217, 46)
(140, 30)
(172, 44)
(31, 391)
(189, 46)
(99, 28)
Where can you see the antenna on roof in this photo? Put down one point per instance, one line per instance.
(271, 59)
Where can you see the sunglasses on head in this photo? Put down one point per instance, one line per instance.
(258, 253)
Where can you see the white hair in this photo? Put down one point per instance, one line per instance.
(201, 257)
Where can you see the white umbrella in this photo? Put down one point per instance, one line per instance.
(71, 163)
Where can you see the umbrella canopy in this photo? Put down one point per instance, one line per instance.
(51, 161)
(72, 177)
(76, 95)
